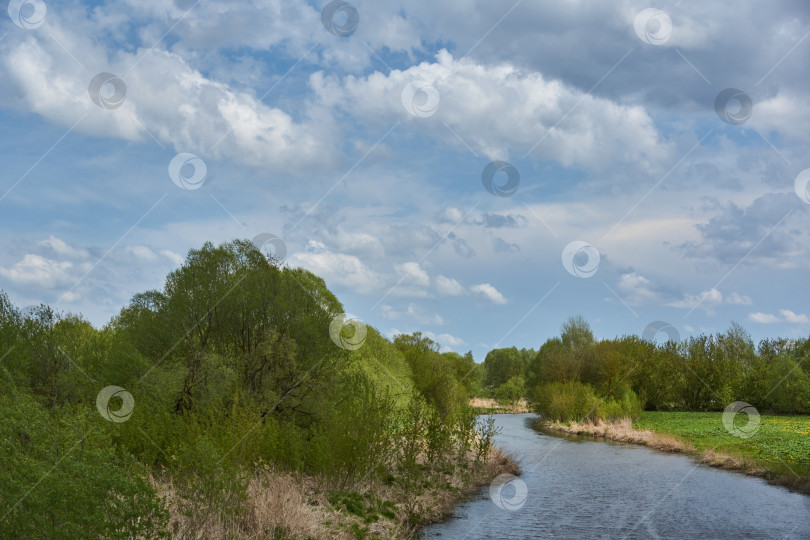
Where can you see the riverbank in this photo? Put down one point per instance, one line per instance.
(492, 406)
(782, 459)
(294, 506)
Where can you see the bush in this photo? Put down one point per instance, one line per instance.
(575, 401)
(60, 477)
(565, 402)
(511, 391)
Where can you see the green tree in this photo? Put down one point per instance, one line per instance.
(576, 334)
(511, 391)
(501, 365)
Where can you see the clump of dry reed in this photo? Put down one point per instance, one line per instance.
(283, 505)
(521, 406)
(623, 431)
(278, 505)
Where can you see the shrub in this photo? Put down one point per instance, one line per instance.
(511, 391)
(44, 457)
(565, 402)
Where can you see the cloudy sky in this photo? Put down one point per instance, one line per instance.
(476, 170)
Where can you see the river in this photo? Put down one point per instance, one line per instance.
(577, 487)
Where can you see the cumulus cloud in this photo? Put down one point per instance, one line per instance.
(709, 300)
(60, 247)
(785, 113)
(784, 316)
(449, 214)
(413, 274)
(447, 341)
(38, 271)
(175, 258)
(142, 252)
(167, 99)
(489, 292)
(338, 269)
(495, 108)
(636, 289)
(448, 286)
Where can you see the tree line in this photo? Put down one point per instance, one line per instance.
(701, 373)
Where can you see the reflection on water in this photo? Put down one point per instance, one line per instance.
(578, 487)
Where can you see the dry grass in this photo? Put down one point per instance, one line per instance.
(278, 505)
(282, 505)
(491, 404)
(623, 431)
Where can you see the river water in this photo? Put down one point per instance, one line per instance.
(579, 488)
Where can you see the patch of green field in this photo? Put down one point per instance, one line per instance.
(779, 442)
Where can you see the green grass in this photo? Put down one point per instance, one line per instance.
(780, 443)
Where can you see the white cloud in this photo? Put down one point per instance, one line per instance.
(413, 274)
(709, 300)
(738, 299)
(490, 292)
(636, 289)
(60, 247)
(446, 341)
(763, 318)
(791, 317)
(172, 256)
(37, 270)
(785, 316)
(784, 113)
(166, 98)
(142, 252)
(450, 214)
(413, 311)
(495, 108)
(337, 269)
(448, 286)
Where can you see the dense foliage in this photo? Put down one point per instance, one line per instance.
(236, 361)
(575, 377)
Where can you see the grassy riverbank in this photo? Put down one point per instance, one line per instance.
(284, 505)
(779, 450)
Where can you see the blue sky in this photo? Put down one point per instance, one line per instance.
(365, 154)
